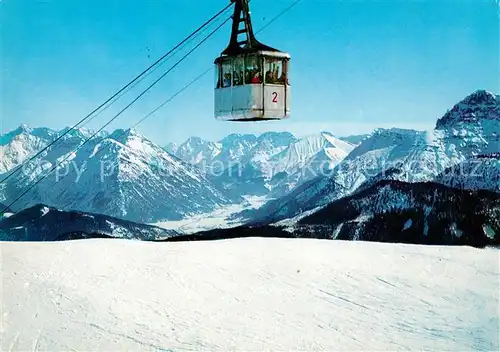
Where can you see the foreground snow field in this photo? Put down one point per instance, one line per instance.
(248, 294)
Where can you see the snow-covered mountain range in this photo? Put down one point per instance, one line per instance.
(355, 139)
(270, 164)
(125, 175)
(122, 175)
(145, 183)
(478, 172)
(469, 131)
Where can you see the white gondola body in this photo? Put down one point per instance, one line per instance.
(252, 101)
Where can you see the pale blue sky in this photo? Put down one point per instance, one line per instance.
(356, 65)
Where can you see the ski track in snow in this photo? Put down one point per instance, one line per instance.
(248, 294)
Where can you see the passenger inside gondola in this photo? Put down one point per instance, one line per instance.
(269, 77)
(227, 80)
(275, 71)
(257, 78)
(253, 70)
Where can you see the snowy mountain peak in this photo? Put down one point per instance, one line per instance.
(80, 132)
(481, 97)
(133, 139)
(24, 128)
(123, 135)
(382, 141)
(337, 143)
(257, 159)
(196, 150)
(307, 158)
(236, 138)
(392, 132)
(171, 148)
(10, 136)
(478, 107)
(195, 144)
(75, 133)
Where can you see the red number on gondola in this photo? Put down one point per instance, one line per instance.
(275, 97)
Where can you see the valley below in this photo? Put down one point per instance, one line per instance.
(248, 294)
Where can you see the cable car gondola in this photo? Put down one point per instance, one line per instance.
(251, 78)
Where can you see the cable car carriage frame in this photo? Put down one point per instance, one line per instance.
(251, 78)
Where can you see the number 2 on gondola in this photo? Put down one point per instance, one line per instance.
(275, 97)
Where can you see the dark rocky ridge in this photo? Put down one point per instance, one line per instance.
(42, 223)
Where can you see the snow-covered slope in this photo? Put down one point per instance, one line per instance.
(423, 213)
(32, 171)
(123, 175)
(472, 126)
(309, 157)
(171, 148)
(42, 133)
(198, 152)
(480, 172)
(234, 147)
(248, 295)
(470, 129)
(355, 139)
(267, 146)
(42, 223)
(231, 150)
(248, 171)
(82, 132)
(477, 108)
